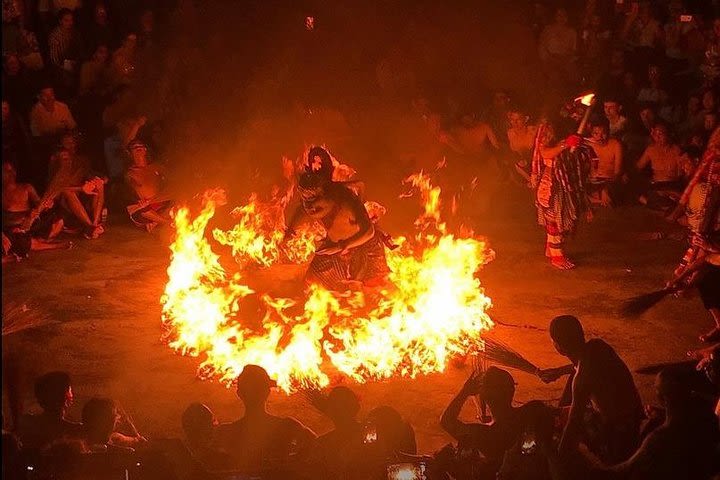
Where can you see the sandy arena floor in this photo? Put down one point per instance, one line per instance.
(103, 300)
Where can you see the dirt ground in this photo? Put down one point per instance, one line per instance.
(103, 301)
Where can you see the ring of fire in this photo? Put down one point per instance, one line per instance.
(435, 309)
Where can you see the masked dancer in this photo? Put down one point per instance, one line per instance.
(352, 254)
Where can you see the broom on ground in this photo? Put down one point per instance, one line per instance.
(21, 316)
(636, 306)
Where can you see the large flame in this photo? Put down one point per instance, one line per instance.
(433, 309)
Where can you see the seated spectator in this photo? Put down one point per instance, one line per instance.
(19, 86)
(100, 31)
(260, 442)
(94, 73)
(598, 376)
(122, 66)
(642, 31)
(100, 422)
(683, 447)
(611, 81)
(617, 122)
(27, 223)
(693, 118)
(387, 438)
(15, 140)
(534, 454)
(473, 136)
(146, 180)
(521, 138)
(558, 48)
(50, 117)
(337, 452)
(29, 51)
(606, 168)
(54, 395)
(668, 168)
(198, 423)
(653, 92)
(65, 49)
(81, 192)
(497, 388)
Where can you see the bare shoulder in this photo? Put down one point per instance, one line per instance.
(615, 145)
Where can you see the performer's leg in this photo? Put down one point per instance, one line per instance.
(330, 271)
(554, 246)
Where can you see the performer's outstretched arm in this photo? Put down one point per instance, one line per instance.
(298, 217)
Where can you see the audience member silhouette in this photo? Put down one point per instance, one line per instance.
(686, 443)
(198, 423)
(261, 442)
(55, 396)
(338, 451)
(497, 388)
(601, 378)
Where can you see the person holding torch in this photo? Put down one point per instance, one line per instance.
(560, 174)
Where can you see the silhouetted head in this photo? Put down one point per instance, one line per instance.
(539, 419)
(99, 417)
(319, 163)
(392, 433)
(567, 335)
(54, 393)
(498, 388)
(197, 423)
(253, 386)
(342, 405)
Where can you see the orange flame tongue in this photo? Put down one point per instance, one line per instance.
(433, 309)
(586, 100)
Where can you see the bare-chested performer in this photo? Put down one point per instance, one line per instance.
(598, 378)
(353, 253)
(521, 138)
(669, 167)
(606, 166)
(26, 222)
(147, 182)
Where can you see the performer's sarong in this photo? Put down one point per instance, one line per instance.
(365, 263)
(562, 195)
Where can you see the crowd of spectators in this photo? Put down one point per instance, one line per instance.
(69, 120)
(74, 146)
(600, 429)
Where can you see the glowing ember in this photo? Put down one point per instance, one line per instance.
(434, 310)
